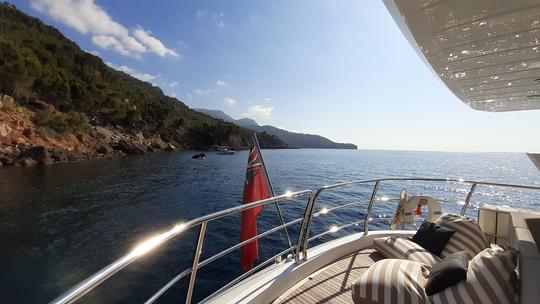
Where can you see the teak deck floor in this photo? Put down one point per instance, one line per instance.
(331, 284)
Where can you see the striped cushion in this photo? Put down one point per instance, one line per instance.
(490, 279)
(392, 281)
(468, 236)
(403, 248)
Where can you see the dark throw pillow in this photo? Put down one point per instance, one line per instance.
(449, 271)
(432, 237)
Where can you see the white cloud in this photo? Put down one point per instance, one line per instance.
(229, 102)
(198, 92)
(153, 44)
(221, 24)
(259, 112)
(141, 76)
(89, 18)
(111, 43)
(173, 95)
(221, 83)
(133, 45)
(173, 84)
(82, 15)
(201, 13)
(267, 99)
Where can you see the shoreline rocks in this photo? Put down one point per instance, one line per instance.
(22, 143)
(130, 147)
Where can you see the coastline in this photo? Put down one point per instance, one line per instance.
(23, 143)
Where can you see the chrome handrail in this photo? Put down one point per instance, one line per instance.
(211, 259)
(298, 250)
(303, 238)
(105, 273)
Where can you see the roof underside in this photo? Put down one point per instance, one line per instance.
(486, 51)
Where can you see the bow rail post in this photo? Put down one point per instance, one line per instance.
(370, 206)
(196, 258)
(468, 199)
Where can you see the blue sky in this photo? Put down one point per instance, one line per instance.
(341, 69)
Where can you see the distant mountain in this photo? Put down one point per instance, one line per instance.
(217, 114)
(292, 139)
(247, 122)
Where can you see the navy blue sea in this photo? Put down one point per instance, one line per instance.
(61, 223)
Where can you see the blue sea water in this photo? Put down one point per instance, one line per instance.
(61, 223)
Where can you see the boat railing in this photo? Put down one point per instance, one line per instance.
(305, 239)
(152, 243)
(297, 251)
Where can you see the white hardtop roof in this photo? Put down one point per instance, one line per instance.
(487, 52)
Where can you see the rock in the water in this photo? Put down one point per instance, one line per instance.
(199, 156)
(170, 148)
(38, 153)
(130, 147)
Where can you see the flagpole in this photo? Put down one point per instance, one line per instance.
(280, 214)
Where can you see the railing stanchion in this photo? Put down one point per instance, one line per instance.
(308, 226)
(302, 229)
(196, 258)
(370, 206)
(468, 199)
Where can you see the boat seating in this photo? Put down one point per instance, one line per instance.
(521, 230)
(503, 226)
(525, 237)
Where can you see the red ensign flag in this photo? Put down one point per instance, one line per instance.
(256, 187)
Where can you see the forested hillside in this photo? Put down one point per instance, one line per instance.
(38, 66)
